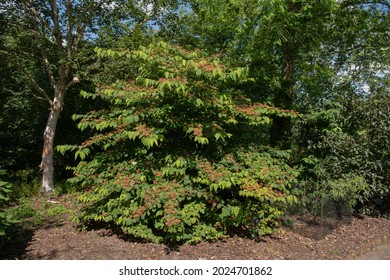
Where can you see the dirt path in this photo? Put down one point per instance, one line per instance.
(379, 252)
(357, 239)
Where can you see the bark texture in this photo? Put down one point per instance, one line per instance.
(48, 143)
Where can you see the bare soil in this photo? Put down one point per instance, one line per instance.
(353, 238)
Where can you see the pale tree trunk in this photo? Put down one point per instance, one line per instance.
(48, 143)
(47, 22)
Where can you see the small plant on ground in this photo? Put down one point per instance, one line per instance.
(57, 213)
(56, 210)
(6, 218)
(177, 156)
(28, 215)
(26, 183)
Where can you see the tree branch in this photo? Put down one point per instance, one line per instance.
(75, 80)
(79, 35)
(63, 68)
(48, 67)
(34, 83)
(85, 14)
(45, 59)
(69, 28)
(57, 30)
(30, 8)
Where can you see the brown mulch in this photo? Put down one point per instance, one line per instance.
(326, 239)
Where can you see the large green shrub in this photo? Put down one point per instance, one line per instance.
(171, 160)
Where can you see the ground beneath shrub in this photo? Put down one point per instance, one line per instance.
(354, 238)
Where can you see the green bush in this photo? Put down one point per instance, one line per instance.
(372, 119)
(329, 193)
(26, 183)
(6, 220)
(345, 154)
(171, 160)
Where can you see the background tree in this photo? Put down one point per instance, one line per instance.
(20, 119)
(56, 30)
(354, 68)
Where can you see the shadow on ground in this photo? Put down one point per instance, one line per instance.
(318, 229)
(15, 246)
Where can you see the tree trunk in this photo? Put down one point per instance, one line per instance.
(280, 135)
(48, 143)
(281, 126)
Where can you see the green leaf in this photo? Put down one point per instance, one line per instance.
(201, 140)
(80, 153)
(132, 134)
(199, 102)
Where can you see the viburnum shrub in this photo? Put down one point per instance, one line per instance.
(171, 160)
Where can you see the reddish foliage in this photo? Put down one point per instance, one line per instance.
(144, 130)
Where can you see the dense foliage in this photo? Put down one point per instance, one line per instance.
(346, 154)
(6, 220)
(171, 158)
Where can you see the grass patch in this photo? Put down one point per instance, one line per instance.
(56, 210)
(26, 213)
(56, 213)
(36, 212)
(26, 183)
